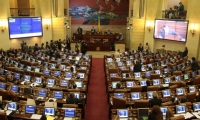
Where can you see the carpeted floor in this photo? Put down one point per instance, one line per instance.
(97, 105)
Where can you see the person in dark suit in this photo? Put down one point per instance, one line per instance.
(155, 100)
(36, 48)
(68, 43)
(194, 64)
(137, 67)
(140, 48)
(57, 54)
(79, 30)
(72, 100)
(59, 44)
(185, 52)
(93, 31)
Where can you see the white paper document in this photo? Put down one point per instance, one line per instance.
(35, 116)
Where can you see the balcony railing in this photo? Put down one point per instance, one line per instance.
(174, 14)
(15, 12)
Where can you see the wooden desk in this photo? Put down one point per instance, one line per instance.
(98, 46)
(87, 37)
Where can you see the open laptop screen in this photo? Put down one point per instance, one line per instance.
(12, 106)
(46, 72)
(150, 94)
(192, 88)
(79, 83)
(164, 110)
(123, 113)
(166, 93)
(129, 84)
(14, 88)
(58, 94)
(42, 93)
(119, 95)
(114, 84)
(179, 91)
(167, 80)
(70, 112)
(196, 106)
(30, 109)
(143, 83)
(49, 111)
(64, 83)
(135, 95)
(137, 74)
(38, 80)
(2, 85)
(180, 109)
(156, 81)
(143, 113)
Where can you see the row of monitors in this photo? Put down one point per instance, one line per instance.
(68, 75)
(165, 93)
(155, 82)
(142, 112)
(50, 82)
(31, 109)
(161, 63)
(148, 74)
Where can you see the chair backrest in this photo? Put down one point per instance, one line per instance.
(153, 88)
(115, 78)
(119, 103)
(4, 94)
(120, 91)
(3, 116)
(70, 105)
(136, 89)
(154, 76)
(177, 72)
(167, 103)
(173, 88)
(191, 97)
(13, 96)
(181, 117)
(116, 117)
(113, 70)
(141, 104)
(196, 81)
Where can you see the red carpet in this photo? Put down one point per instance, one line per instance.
(97, 105)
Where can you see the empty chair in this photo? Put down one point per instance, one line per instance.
(113, 70)
(191, 97)
(177, 72)
(153, 88)
(120, 90)
(70, 105)
(173, 88)
(154, 76)
(136, 89)
(3, 116)
(141, 104)
(167, 103)
(119, 103)
(196, 81)
(181, 117)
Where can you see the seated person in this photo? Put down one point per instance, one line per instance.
(72, 100)
(145, 88)
(72, 85)
(109, 32)
(9, 78)
(93, 31)
(119, 86)
(155, 100)
(177, 101)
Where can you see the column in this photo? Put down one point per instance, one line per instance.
(46, 12)
(5, 13)
(136, 8)
(60, 8)
(37, 8)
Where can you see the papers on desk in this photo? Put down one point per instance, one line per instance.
(165, 85)
(187, 115)
(40, 97)
(8, 112)
(1, 110)
(35, 116)
(22, 82)
(50, 117)
(64, 100)
(69, 118)
(196, 114)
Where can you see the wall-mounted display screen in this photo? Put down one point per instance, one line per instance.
(175, 30)
(25, 27)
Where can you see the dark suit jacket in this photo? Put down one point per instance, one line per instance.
(137, 67)
(155, 101)
(74, 100)
(79, 30)
(140, 48)
(195, 66)
(152, 116)
(185, 53)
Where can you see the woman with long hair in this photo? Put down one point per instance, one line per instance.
(169, 114)
(156, 113)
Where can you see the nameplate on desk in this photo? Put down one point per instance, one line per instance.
(35, 116)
